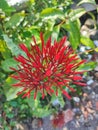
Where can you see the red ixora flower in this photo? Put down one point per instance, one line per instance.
(58, 120)
(47, 68)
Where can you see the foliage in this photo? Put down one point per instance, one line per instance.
(17, 25)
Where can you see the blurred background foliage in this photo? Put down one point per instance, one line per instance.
(18, 23)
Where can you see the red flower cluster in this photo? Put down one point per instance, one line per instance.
(47, 69)
(58, 120)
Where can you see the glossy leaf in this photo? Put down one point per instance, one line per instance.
(15, 20)
(87, 42)
(12, 46)
(55, 33)
(9, 91)
(77, 13)
(6, 64)
(49, 13)
(4, 50)
(87, 1)
(74, 34)
(96, 49)
(38, 109)
(5, 7)
(88, 66)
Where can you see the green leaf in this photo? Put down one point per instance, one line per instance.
(59, 97)
(13, 103)
(6, 128)
(15, 20)
(47, 34)
(49, 13)
(38, 109)
(50, 24)
(10, 91)
(12, 46)
(41, 112)
(32, 1)
(77, 13)
(55, 33)
(5, 7)
(96, 49)
(87, 42)
(87, 1)
(4, 50)
(10, 115)
(74, 34)
(27, 34)
(6, 64)
(88, 66)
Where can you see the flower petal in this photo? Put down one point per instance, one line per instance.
(66, 94)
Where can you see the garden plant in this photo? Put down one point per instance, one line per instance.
(42, 64)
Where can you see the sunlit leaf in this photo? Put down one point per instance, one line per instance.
(96, 49)
(73, 29)
(87, 1)
(77, 13)
(4, 50)
(15, 20)
(55, 33)
(10, 91)
(74, 34)
(5, 7)
(87, 42)
(32, 1)
(49, 13)
(12, 46)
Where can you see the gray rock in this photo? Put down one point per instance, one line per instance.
(85, 31)
(77, 111)
(96, 42)
(95, 89)
(65, 128)
(89, 57)
(35, 123)
(90, 23)
(90, 82)
(76, 99)
(68, 115)
(92, 95)
(56, 102)
(94, 34)
(82, 49)
(21, 126)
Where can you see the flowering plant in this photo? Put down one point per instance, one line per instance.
(47, 69)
